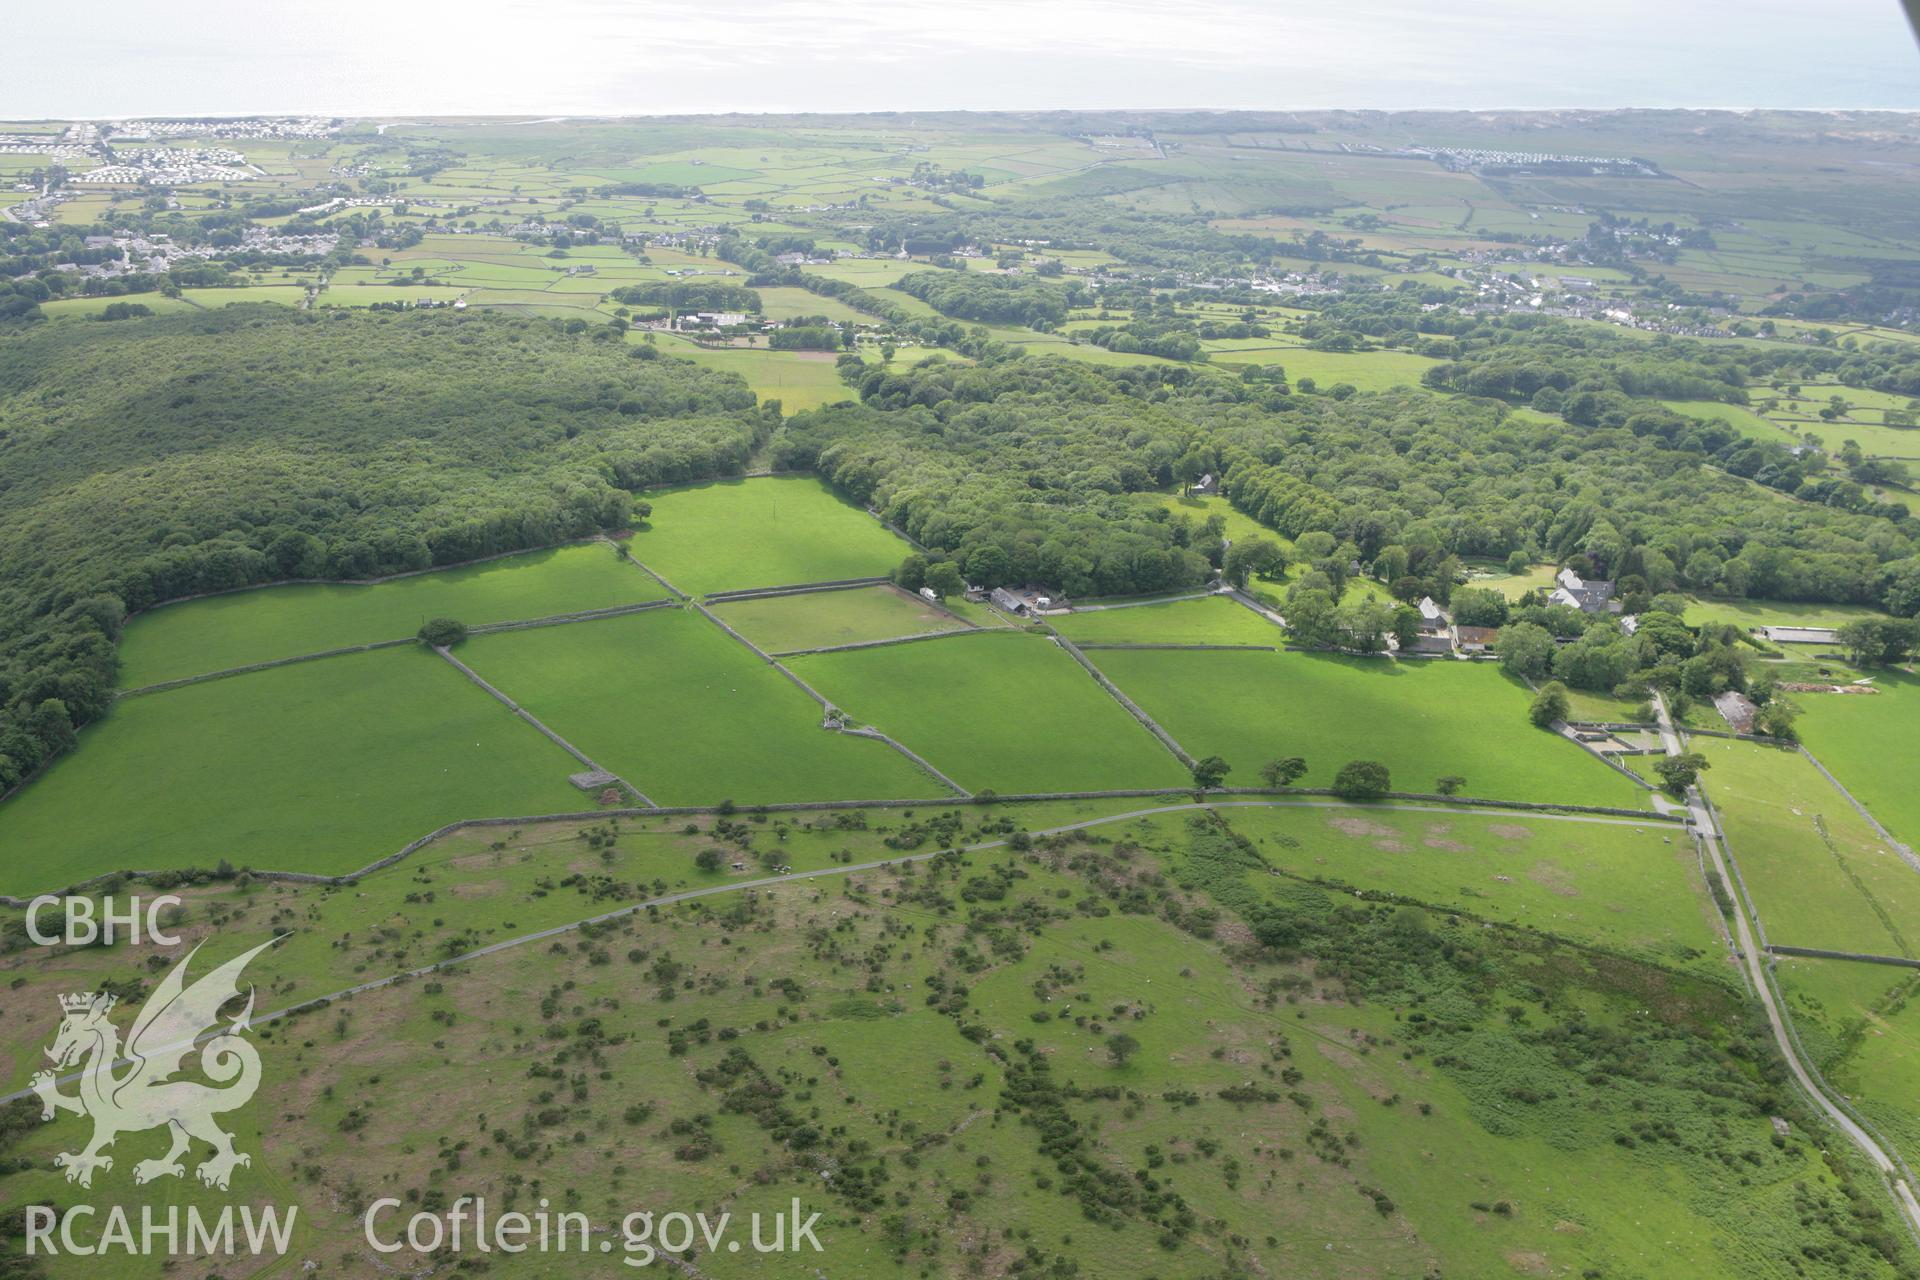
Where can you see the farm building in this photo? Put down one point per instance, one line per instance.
(1024, 602)
(1476, 639)
(1736, 709)
(1584, 594)
(1433, 619)
(1800, 635)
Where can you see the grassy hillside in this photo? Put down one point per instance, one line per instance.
(1422, 1089)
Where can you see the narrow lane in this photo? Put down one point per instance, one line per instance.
(1700, 817)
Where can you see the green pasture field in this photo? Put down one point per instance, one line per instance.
(1216, 620)
(1752, 425)
(243, 627)
(1876, 440)
(358, 296)
(786, 303)
(1818, 874)
(768, 531)
(319, 766)
(158, 303)
(797, 379)
(1602, 708)
(868, 273)
(907, 302)
(1364, 370)
(1005, 711)
(1871, 742)
(823, 618)
(979, 613)
(287, 295)
(1630, 886)
(1861, 1024)
(685, 713)
(1495, 577)
(1239, 525)
(1748, 614)
(1423, 719)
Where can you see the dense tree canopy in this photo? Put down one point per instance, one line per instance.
(173, 456)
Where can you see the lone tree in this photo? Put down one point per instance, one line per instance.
(1210, 773)
(1254, 556)
(1679, 772)
(943, 579)
(1284, 772)
(1526, 649)
(1776, 720)
(1362, 780)
(1450, 784)
(1120, 1047)
(1550, 704)
(443, 633)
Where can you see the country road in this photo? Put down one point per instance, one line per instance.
(1702, 820)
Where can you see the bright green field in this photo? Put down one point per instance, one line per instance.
(157, 303)
(1238, 524)
(1422, 719)
(1779, 613)
(787, 303)
(1776, 613)
(1818, 874)
(797, 379)
(1739, 417)
(244, 627)
(1216, 620)
(682, 711)
(766, 532)
(320, 766)
(1624, 885)
(824, 618)
(1871, 743)
(1512, 585)
(1861, 1023)
(1007, 711)
(1365, 370)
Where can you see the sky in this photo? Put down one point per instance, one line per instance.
(122, 58)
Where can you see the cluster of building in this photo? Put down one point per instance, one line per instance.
(154, 254)
(1588, 595)
(1477, 158)
(32, 144)
(1021, 602)
(251, 127)
(172, 165)
(711, 319)
(1576, 298)
(1440, 637)
(37, 211)
(1294, 284)
(370, 202)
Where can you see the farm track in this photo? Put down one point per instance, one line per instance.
(1756, 960)
(794, 877)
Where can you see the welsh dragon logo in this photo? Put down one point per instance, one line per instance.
(146, 1095)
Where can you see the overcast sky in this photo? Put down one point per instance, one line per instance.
(398, 57)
